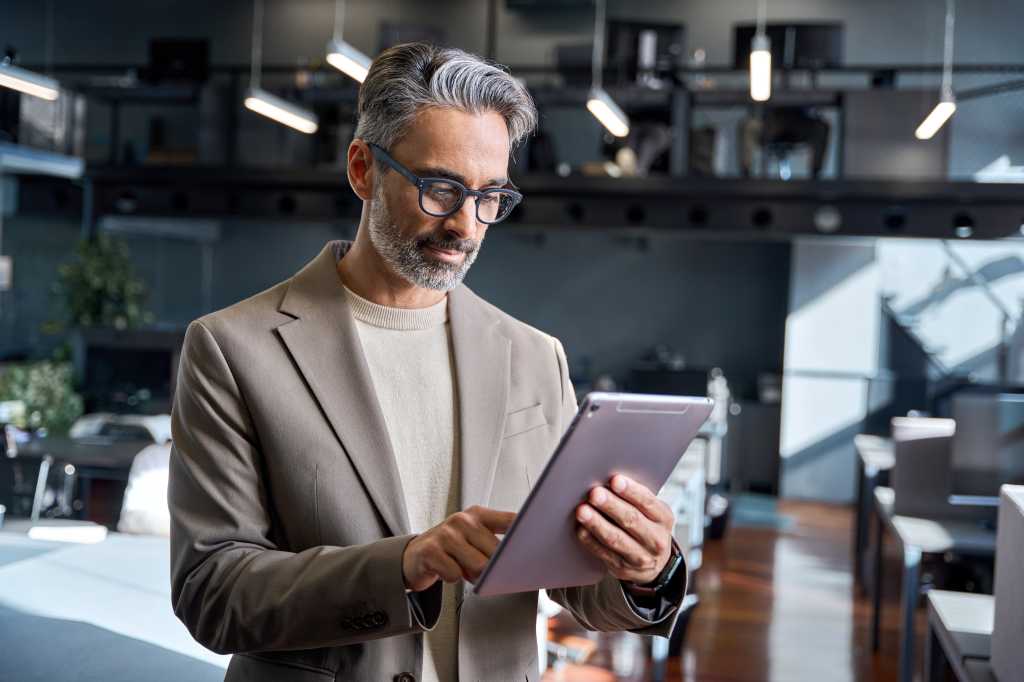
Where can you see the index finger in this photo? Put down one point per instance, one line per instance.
(642, 498)
(492, 519)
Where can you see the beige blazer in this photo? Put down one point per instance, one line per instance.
(287, 517)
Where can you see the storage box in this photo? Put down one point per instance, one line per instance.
(1008, 629)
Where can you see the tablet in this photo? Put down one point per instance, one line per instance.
(640, 436)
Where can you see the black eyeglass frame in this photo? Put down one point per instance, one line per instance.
(422, 183)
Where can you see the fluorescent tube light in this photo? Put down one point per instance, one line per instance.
(760, 68)
(348, 60)
(281, 110)
(604, 108)
(28, 82)
(935, 120)
(18, 159)
(947, 102)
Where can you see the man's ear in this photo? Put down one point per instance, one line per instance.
(361, 171)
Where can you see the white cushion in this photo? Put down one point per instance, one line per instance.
(144, 510)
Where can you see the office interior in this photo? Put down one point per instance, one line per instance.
(810, 211)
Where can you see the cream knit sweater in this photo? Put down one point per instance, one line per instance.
(410, 360)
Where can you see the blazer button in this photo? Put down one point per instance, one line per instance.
(405, 677)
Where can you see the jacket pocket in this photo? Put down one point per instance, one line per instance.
(523, 420)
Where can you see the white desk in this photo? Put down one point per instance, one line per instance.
(959, 636)
(102, 611)
(875, 459)
(917, 537)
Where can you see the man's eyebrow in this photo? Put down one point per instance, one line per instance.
(437, 172)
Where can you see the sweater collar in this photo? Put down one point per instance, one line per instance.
(397, 319)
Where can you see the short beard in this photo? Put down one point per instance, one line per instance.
(405, 255)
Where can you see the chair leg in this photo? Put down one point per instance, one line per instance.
(911, 592)
(37, 499)
(934, 658)
(659, 658)
(858, 529)
(876, 587)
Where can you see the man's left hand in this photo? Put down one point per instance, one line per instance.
(626, 526)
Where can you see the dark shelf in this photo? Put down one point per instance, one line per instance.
(705, 207)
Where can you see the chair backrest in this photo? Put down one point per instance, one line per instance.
(921, 473)
(1007, 653)
(19, 484)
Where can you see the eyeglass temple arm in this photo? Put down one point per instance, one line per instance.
(402, 170)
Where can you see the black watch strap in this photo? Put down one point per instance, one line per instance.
(665, 577)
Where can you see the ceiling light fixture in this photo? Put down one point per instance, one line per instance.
(262, 102)
(947, 101)
(30, 82)
(280, 110)
(340, 54)
(761, 58)
(599, 102)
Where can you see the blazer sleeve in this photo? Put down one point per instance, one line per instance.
(606, 605)
(231, 585)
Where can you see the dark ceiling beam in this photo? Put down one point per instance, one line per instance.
(719, 208)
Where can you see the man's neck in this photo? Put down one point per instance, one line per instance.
(364, 273)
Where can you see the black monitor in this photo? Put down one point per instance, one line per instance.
(988, 447)
(793, 46)
(636, 48)
(178, 60)
(635, 52)
(127, 371)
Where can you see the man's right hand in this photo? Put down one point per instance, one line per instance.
(456, 549)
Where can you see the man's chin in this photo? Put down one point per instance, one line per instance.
(435, 274)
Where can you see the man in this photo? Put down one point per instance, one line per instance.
(328, 431)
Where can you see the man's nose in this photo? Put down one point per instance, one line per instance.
(463, 223)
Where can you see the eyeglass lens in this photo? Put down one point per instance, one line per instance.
(441, 198)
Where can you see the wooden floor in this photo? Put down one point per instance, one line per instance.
(779, 605)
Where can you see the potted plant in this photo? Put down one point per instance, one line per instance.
(100, 288)
(40, 396)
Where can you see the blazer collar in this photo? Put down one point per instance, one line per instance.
(324, 342)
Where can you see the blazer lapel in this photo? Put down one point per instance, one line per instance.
(324, 342)
(482, 366)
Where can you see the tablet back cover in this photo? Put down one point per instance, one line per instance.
(640, 436)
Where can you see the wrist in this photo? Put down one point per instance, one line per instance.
(662, 579)
(661, 571)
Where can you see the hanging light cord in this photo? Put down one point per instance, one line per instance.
(597, 62)
(49, 37)
(339, 18)
(762, 16)
(947, 52)
(257, 42)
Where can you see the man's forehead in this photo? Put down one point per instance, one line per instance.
(475, 146)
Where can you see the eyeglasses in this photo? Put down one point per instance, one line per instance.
(442, 197)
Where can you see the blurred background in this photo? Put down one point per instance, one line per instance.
(810, 210)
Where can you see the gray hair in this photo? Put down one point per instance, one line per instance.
(406, 78)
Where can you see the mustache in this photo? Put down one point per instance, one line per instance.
(461, 245)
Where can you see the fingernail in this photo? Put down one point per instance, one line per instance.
(598, 495)
(584, 514)
(619, 484)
